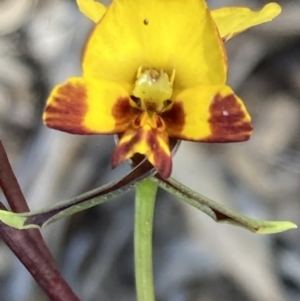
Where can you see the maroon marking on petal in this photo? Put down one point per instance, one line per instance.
(136, 123)
(67, 109)
(123, 148)
(175, 117)
(228, 120)
(162, 160)
(160, 125)
(121, 108)
(123, 112)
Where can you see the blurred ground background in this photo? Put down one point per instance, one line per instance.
(195, 258)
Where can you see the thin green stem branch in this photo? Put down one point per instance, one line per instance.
(143, 229)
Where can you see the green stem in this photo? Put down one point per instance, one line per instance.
(143, 228)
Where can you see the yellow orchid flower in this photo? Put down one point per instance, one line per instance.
(153, 70)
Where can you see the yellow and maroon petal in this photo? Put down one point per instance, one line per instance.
(208, 114)
(152, 143)
(164, 35)
(233, 20)
(87, 106)
(92, 9)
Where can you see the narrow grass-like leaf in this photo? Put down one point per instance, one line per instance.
(221, 213)
(41, 218)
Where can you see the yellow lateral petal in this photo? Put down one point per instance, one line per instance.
(152, 143)
(88, 106)
(208, 114)
(92, 9)
(233, 20)
(158, 34)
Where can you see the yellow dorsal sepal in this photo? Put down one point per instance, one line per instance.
(92, 9)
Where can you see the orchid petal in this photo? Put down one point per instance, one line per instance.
(208, 114)
(233, 20)
(88, 106)
(149, 142)
(92, 9)
(163, 35)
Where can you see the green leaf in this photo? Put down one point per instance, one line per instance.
(43, 217)
(221, 213)
(14, 220)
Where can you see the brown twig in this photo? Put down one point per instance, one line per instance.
(16, 199)
(28, 245)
